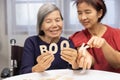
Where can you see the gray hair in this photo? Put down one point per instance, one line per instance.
(44, 10)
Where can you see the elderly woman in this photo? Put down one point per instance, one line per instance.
(42, 51)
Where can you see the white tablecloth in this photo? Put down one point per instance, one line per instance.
(66, 74)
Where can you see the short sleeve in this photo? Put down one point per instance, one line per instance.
(78, 38)
(117, 38)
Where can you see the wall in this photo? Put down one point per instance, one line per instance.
(3, 38)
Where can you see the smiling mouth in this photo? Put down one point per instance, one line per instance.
(85, 23)
(54, 31)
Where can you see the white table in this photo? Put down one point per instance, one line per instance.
(66, 74)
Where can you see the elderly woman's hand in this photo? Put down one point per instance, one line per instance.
(70, 55)
(44, 62)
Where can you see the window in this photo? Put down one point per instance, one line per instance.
(71, 20)
(24, 15)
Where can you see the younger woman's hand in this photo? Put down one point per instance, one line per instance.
(84, 60)
(96, 42)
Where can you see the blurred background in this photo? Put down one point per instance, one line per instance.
(18, 21)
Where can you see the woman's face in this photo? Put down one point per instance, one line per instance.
(52, 25)
(87, 14)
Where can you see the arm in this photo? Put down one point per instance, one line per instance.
(28, 57)
(85, 60)
(111, 55)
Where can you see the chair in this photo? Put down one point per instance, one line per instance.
(16, 58)
(16, 55)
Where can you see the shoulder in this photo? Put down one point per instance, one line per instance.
(63, 38)
(76, 34)
(113, 37)
(79, 37)
(67, 42)
(31, 40)
(113, 31)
